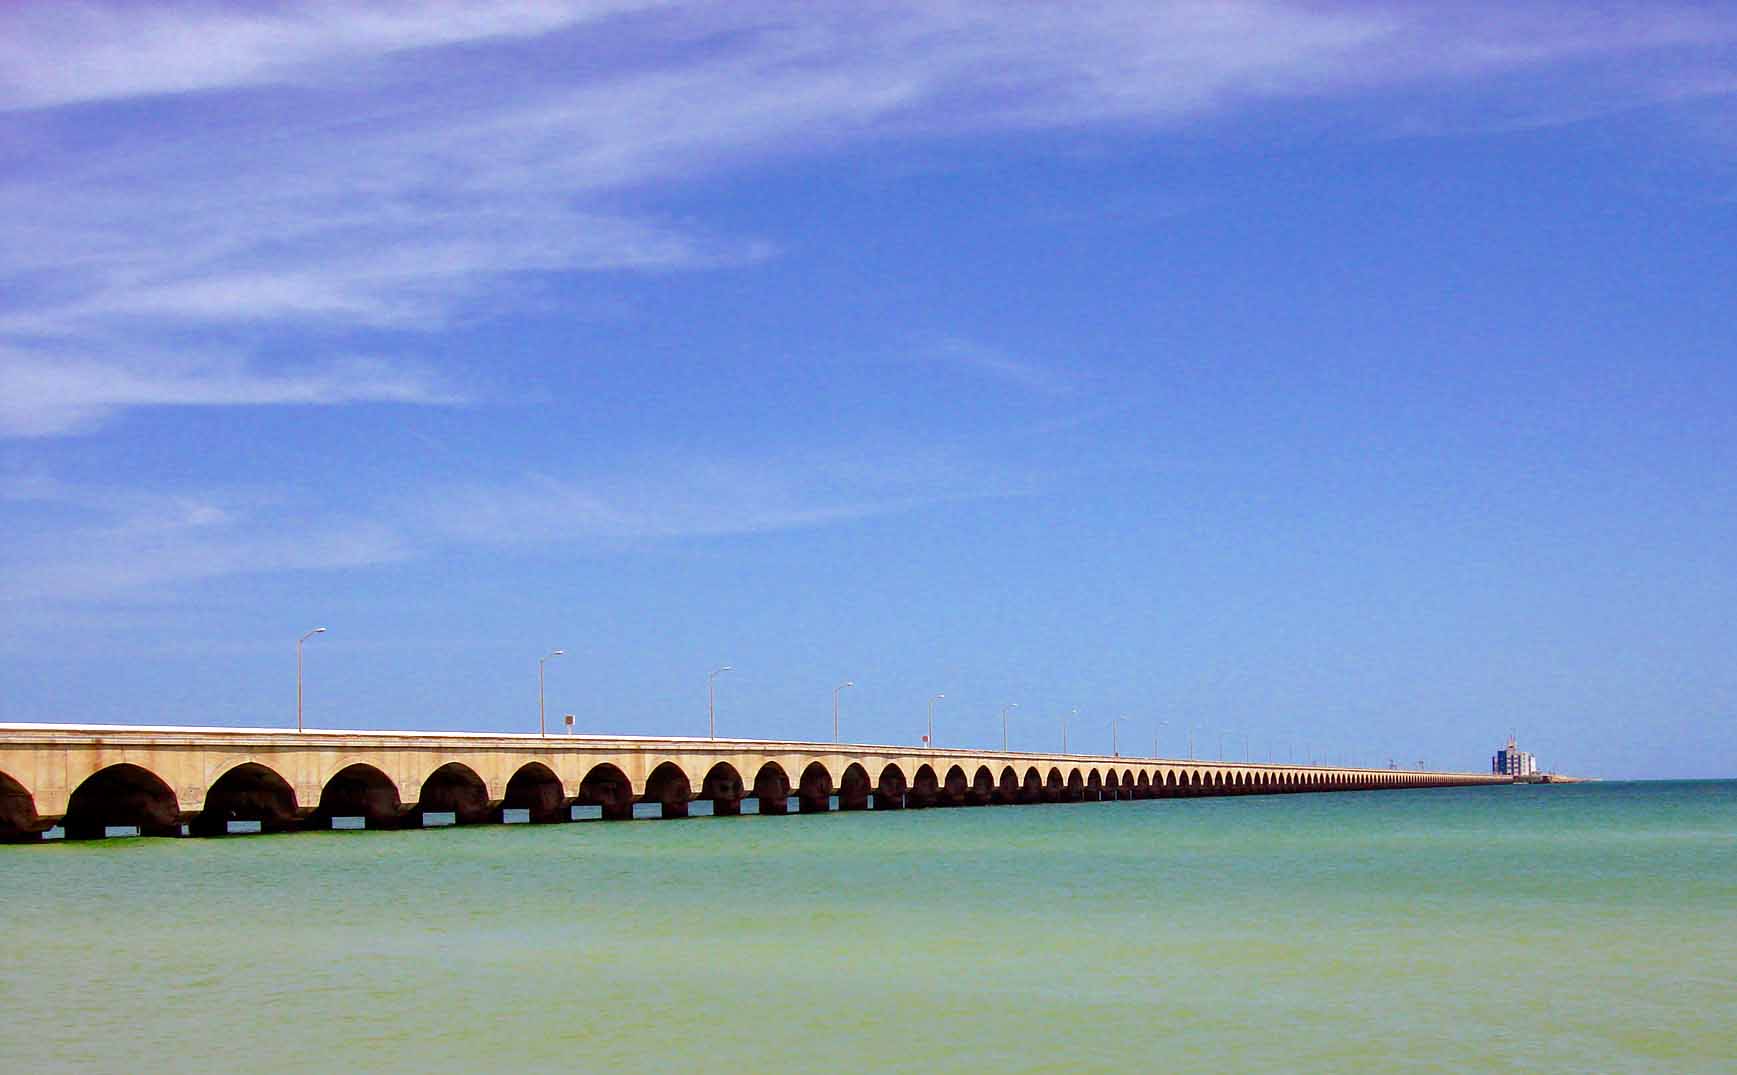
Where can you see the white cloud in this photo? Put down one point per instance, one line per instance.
(41, 396)
(340, 167)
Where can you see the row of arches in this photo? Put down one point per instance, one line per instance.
(252, 793)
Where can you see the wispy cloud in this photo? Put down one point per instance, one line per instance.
(996, 364)
(44, 395)
(190, 169)
(71, 543)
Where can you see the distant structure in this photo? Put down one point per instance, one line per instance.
(1514, 762)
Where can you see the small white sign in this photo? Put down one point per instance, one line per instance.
(436, 819)
(240, 828)
(349, 823)
(515, 817)
(119, 832)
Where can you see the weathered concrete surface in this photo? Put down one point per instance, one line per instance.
(90, 776)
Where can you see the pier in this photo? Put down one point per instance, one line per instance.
(89, 781)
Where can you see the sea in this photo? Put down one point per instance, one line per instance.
(1584, 928)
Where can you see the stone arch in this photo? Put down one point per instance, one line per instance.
(1169, 783)
(1128, 784)
(669, 787)
(1031, 788)
(772, 789)
(1143, 785)
(814, 790)
(1055, 786)
(608, 788)
(1109, 786)
(536, 788)
(1007, 788)
(456, 789)
(1076, 787)
(925, 787)
(360, 790)
(122, 795)
(723, 786)
(982, 787)
(18, 818)
(248, 792)
(890, 789)
(1195, 781)
(955, 788)
(854, 788)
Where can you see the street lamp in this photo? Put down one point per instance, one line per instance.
(835, 690)
(299, 641)
(929, 740)
(712, 698)
(542, 726)
(1115, 749)
(1004, 709)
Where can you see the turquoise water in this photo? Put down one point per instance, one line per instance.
(1588, 928)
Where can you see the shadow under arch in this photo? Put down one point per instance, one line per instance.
(1031, 788)
(814, 789)
(1007, 788)
(982, 787)
(536, 789)
(723, 786)
(1076, 791)
(854, 788)
(925, 788)
(360, 790)
(608, 789)
(890, 788)
(455, 789)
(668, 786)
(122, 795)
(1055, 787)
(772, 789)
(18, 820)
(248, 792)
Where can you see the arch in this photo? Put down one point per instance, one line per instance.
(772, 789)
(1031, 788)
(669, 787)
(360, 790)
(982, 787)
(1076, 787)
(1103, 787)
(814, 791)
(1195, 780)
(723, 786)
(456, 789)
(1143, 786)
(1055, 787)
(1007, 788)
(854, 788)
(925, 788)
(608, 788)
(536, 788)
(248, 792)
(1170, 783)
(890, 789)
(1128, 784)
(18, 818)
(955, 789)
(122, 795)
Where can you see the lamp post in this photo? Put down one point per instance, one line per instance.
(1004, 709)
(712, 699)
(835, 690)
(299, 641)
(542, 725)
(1115, 748)
(929, 740)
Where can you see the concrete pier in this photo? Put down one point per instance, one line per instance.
(91, 779)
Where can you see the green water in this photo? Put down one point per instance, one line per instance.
(1589, 928)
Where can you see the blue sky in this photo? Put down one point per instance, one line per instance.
(1355, 378)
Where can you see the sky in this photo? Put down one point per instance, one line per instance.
(1311, 380)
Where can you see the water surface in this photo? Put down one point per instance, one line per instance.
(1589, 928)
